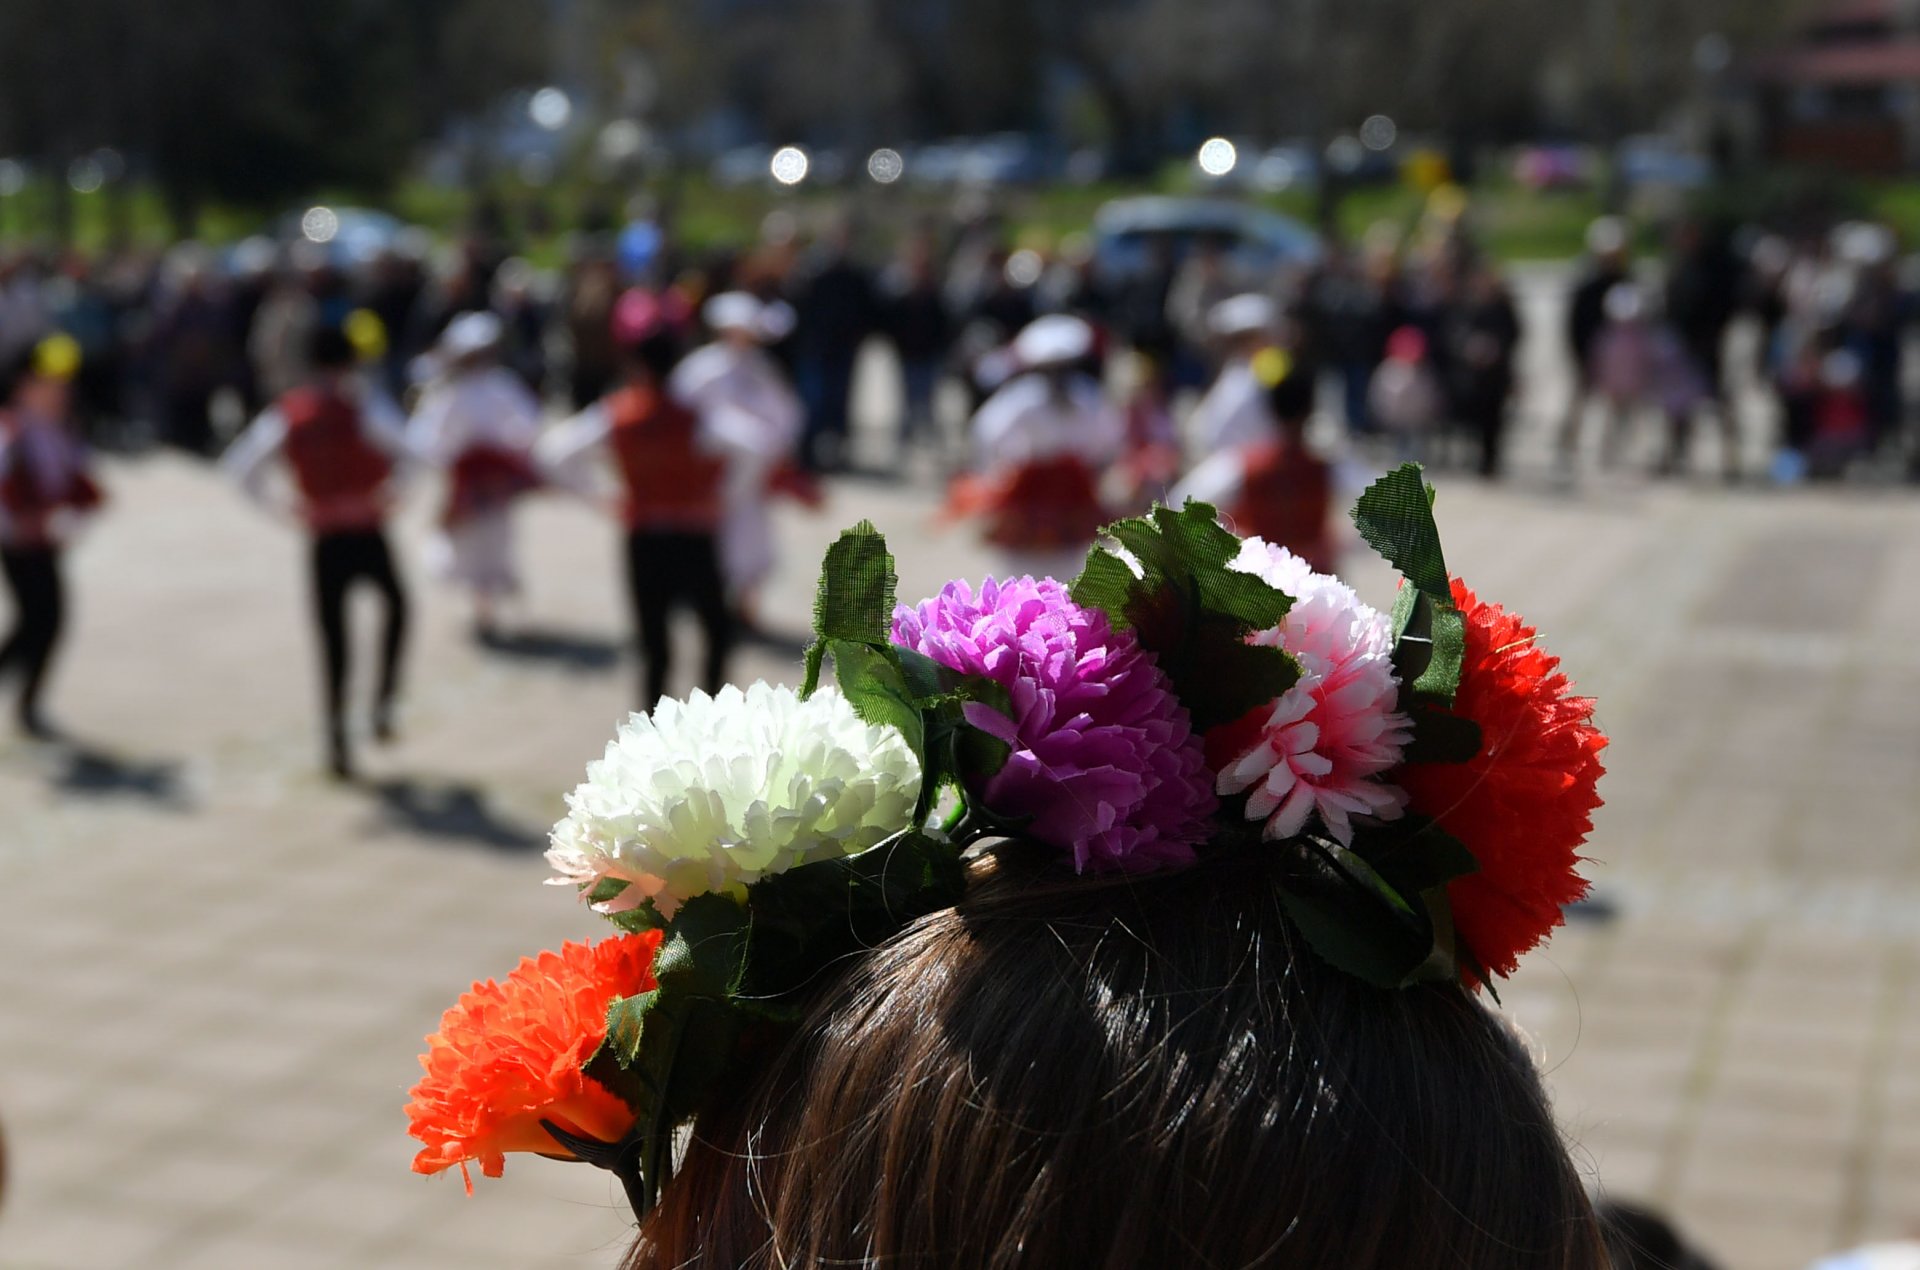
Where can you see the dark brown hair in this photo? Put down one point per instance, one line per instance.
(1111, 1074)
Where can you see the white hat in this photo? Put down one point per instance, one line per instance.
(777, 320)
(1241, 315)
(470, 333)
(733, 311)
(1863, 243)
(1624, 303)
(1607, 236)
(1054, 340)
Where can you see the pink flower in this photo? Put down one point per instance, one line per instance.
(1104, 757)
(1320, 748)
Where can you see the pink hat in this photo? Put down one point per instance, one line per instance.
(1407, 344)
(637, 316)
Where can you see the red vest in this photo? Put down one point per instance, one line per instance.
(485, 478)
(30, 501)
(670, 483)
(1046, 504)
(342, 475)
(1286, 498)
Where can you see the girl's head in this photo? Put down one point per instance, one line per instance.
(39, 380)
(1108, 1073)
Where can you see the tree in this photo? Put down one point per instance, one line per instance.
(253, 102)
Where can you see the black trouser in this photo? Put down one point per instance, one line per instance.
(33, 575)
(666, 568)
(339, 560)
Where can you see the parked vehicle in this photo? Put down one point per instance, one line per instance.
(1257, 241)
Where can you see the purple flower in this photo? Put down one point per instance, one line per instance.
(1104, 756)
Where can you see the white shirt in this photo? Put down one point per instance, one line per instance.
(1234, 412)
(741, 398)
(1216, 479)
(491, 407)
(1028, 419)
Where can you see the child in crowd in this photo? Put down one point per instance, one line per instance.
(1405, 399)
(46, 487)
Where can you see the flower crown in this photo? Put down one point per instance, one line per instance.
(1423, 777)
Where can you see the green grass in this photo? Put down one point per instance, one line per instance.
(1513, 223)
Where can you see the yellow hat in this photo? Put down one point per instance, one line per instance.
(367, 333)
(57, 356)
(1271, 366)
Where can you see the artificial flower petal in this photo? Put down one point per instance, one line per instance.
(713, 793)
(512, 1053)
(1104, 762)
(1524, 804)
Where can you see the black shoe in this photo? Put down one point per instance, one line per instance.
(339, 760)
(384, 730)
(33, 724)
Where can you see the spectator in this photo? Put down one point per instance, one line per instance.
(836, 307)
(914, 316)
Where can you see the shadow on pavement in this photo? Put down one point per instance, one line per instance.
(782, 642)
(566, 649)
(454, 812)
(86, 771)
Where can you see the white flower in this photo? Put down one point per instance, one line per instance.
(713, 793)
(1326, 742)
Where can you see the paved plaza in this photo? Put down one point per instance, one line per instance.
(216, 966)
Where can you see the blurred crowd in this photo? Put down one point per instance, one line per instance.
(1411, 339)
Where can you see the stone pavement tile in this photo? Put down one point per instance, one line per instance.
(1620, 1166)
(1891, 1207)
(1744, 1235)
(573, 1218)
(72, 1238)
(289, 1246)
(1784, 1096)
(1615, 1115)
(130, 1109)
(196, 1177)
(1803, 1155)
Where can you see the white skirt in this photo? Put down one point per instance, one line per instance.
(746, 545)
(477, 553)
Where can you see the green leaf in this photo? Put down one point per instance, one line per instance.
(1352, 931)
(1395, 516)
(1192, 611)
(855, 598)
(874, 686)
(808, 918)
(1413, 854)
(1439, 737)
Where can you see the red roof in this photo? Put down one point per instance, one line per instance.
(1853, 63)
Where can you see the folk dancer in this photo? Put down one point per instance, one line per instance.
(1235, 410)
(749, 411)
(1275, 487)
(671, 477)
(478, 423)
(341, 441)
(1040, 445)
(45, 486)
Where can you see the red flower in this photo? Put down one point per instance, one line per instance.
(509, 1055)
(1524, 804)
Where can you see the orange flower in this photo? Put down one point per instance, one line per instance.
(509, 1055)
